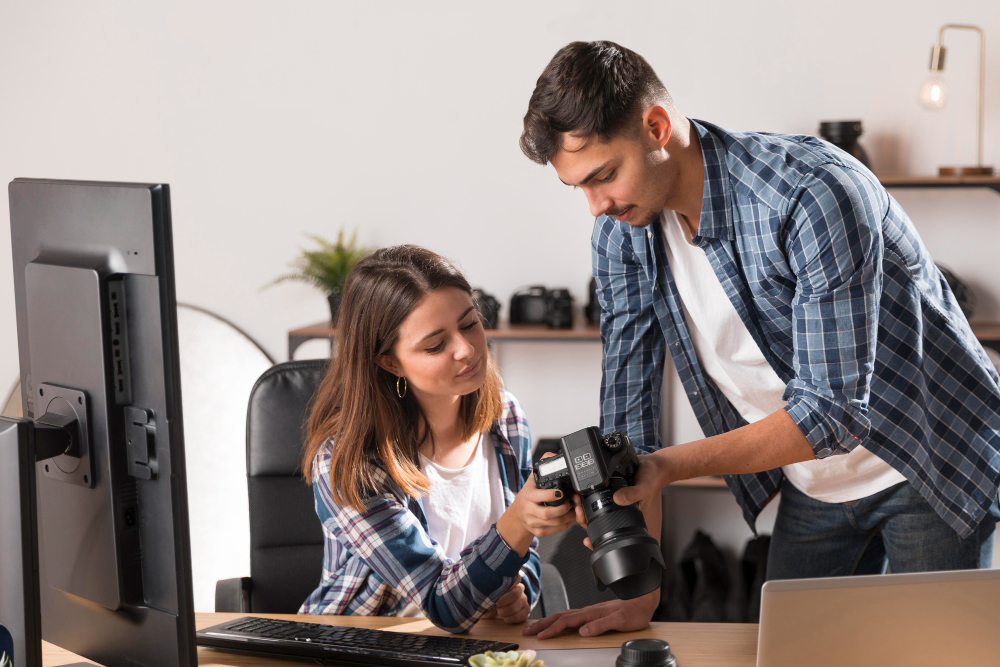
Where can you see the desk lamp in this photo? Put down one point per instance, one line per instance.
(934, 95)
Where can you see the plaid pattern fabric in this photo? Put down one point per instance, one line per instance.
(376, 561)
(836, 288)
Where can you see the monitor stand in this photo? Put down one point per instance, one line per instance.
(22, 443)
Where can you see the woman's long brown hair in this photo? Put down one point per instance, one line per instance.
(357, 404)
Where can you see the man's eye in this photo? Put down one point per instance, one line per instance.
(610, 177)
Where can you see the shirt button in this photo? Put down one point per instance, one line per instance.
(649, 233)
(694, 393)
(654, 288)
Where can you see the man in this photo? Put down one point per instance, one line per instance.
(822, 351)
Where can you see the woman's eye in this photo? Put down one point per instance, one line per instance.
(436, 348)
(470, 325)
(609, 177)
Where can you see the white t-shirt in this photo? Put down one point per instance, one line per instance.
(463, 503)
(730, 356)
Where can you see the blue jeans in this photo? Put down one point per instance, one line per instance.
(895, 528)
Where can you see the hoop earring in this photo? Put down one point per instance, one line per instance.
(401, 392)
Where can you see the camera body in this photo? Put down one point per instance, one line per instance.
(589, 462)
(625, 557)
(529, 306)
(559, 304)
(488, 306)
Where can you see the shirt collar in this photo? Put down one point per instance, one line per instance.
(716, 214)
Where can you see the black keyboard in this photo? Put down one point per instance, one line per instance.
(343, 645)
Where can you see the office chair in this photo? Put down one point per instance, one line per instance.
(286, 538)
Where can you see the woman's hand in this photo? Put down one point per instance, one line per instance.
(527, 517)
(512, 607)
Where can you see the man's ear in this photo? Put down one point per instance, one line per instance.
(388, 362)
(656, 125)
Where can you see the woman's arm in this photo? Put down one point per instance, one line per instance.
(390, 539)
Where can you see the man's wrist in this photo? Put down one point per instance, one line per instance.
(667, 471)
(648, 603)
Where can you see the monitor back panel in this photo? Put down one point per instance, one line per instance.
(115, 563)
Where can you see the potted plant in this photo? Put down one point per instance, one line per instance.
(326, 267)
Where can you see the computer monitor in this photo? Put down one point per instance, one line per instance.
(97, 343)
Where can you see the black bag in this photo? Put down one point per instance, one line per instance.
(753, 570)
(701, 584)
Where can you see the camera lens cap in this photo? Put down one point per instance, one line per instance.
(646, 653)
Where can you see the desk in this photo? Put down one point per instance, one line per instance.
(694, 644)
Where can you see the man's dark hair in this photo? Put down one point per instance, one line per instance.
(588, 88)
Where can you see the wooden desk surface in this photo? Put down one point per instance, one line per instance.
(694, 644)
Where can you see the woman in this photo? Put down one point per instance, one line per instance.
(419, 459)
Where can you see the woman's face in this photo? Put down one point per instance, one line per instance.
(441, 349)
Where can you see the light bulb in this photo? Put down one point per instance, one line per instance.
(934, 93)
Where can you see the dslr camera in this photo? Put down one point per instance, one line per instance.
(625, 556)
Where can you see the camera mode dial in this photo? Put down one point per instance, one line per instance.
(613, 441)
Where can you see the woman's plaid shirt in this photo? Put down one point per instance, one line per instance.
(376, 561)
(843, 299)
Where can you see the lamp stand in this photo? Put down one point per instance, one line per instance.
(937, 65)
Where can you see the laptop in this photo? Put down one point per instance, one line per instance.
(934, 618)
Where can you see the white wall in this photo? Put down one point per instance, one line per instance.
(401, 120)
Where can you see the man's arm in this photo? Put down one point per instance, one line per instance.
(772, 442)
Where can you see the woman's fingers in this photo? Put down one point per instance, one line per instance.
(536, 495)
(516, 613)
(512, 607)
(507, 607)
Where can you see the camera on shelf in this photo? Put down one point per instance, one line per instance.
(529, 306)
(559, 303)
(488, 307)
(625, 556)
(537, 305)
(593, 309)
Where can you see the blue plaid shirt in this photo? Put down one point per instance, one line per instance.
(376, 561)
(836, 288)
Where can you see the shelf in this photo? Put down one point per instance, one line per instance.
(989, 182)
(988, 332)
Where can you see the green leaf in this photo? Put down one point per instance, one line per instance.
(479, 660)
(326, 267)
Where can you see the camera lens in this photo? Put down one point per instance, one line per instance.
(626, 558)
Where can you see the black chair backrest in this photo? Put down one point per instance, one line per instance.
(286, 539)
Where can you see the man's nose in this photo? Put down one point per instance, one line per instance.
(599, 204)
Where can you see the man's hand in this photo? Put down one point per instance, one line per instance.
(512, 607)
(653, 474)
(620, 615)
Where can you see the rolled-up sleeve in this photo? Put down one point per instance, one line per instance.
(834, 247)
(633, 347)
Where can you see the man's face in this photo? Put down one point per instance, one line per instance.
(622, 177)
